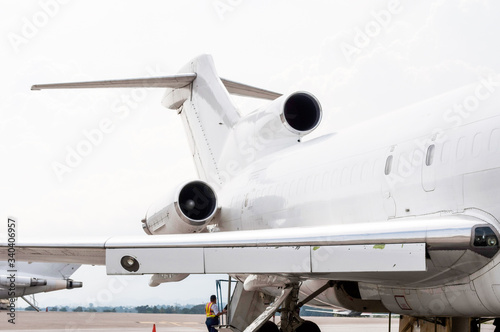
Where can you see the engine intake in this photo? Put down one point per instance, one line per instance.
(197, 202)
(188, 210)
(301, 113)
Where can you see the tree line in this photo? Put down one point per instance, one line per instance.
(156, 309)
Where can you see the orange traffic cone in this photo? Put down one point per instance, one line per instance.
(154, 328)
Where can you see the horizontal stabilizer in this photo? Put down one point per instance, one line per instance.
(172, 81)
(244, 90)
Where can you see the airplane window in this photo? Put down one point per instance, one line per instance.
(293, 188)
(301, 187)
(345, 176)
(429, 158)
(326, 180)
(310, 184)
(267, 191)
(275, 190)
(286, 188)
(445, 152)
(461, 148)
(388, 165)
(494, 140)
(476, 145)
(334, 178)
(317, 182)
(356, 173)
(365, 171)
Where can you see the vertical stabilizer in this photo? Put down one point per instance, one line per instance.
(208, 115)
(203, 101)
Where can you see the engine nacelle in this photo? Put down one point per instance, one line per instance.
(19, 281)
(278, 125)
(300, 113)
(294, 116)
(189, 210)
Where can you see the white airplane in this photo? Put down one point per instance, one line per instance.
(395, 215)
(31, 278)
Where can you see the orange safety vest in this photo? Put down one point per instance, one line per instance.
(209, 311)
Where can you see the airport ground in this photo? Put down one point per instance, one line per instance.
(127, 322)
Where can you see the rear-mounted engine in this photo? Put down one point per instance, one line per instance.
(188, 210)
(296, 114)
(300, 113)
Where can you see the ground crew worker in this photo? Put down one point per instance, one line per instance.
(212, 314)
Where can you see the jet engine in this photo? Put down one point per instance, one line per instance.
(276, 126)
(188, 210)
(296, 114)
(300, 113)
(19, 281)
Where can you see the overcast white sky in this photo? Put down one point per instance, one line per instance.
(360, 58)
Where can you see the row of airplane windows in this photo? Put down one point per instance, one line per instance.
(479, 145)
(361, 172)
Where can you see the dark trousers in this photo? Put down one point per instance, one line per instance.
(496, 322)
(210, 322)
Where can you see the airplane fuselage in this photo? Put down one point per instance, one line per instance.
(421, 161)
(410, 163)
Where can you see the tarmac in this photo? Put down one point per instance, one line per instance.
(128, 322)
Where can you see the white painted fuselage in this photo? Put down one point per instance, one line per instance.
(425, 160)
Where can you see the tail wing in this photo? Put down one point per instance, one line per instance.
(172, 81)
(202, 99)
(244, 90)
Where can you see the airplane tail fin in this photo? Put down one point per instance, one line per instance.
(202, 99)
(208, 115)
